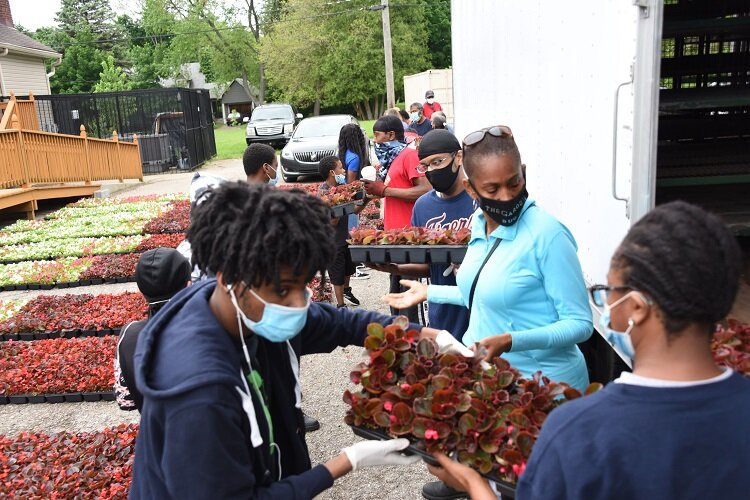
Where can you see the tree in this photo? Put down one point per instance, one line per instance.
(438, 17)
(112, 78)
(220, 27)
(80, 67)
(95, 15)
(336, 56)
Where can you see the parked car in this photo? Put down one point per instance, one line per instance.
(313, 139)
(272, 124)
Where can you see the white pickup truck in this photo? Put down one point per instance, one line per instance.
(616, 105)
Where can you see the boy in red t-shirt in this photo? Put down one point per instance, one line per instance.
(401, 187)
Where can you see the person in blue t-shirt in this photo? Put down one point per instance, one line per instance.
(447, 206)
(672, 429)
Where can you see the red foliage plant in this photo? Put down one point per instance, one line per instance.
(57, 366)
(731, 346)
(410, 236)
(174, 220)
(489, 415)
(345, 193)
(167, 240)
(68, 465)
(111, 266)
(58, 313)
(322, 291)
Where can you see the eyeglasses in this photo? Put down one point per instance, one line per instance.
(435, 164)
(600, 293)
(475, 138)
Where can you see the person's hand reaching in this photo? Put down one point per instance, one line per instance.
(416, 294)
(375, 188)
(462, 478)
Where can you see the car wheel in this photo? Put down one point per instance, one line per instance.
(289, 178)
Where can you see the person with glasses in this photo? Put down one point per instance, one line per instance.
(676, 427)
(521, 279)
(447, 206)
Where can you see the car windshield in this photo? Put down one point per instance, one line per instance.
(320, 127)
(273, 113)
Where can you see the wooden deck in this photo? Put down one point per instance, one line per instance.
(26, 199)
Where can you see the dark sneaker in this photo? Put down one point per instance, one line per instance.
(349, 296)
(341, 306)
(311, 424)
(438, 490)
(359, 275)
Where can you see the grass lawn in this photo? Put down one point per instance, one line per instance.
(230, 142)
(367, 125)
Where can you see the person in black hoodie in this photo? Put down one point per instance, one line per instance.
(217, 367)
(160, 274)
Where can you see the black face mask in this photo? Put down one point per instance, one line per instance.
(505, 213)
(442, 179)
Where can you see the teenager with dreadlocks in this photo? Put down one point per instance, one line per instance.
(672, 429)
(217, 367)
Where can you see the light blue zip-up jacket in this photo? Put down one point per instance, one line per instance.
(532, 287)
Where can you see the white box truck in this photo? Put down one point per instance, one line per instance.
(616, 105)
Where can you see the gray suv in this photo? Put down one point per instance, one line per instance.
(272, 124)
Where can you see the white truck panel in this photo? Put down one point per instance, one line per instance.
(550, 70)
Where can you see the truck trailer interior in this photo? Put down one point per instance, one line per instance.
(703, 153)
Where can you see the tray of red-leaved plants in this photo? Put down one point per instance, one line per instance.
(412, 245)
(344, 199)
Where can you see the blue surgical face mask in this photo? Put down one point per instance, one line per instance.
(621, 340)
(278, 323)
(273, 181)
(414, 116)
(340, 178)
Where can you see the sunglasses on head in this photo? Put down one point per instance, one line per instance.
(497, 131)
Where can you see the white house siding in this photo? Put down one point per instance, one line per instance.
(22, 73)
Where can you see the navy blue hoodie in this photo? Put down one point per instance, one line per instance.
(194, 437)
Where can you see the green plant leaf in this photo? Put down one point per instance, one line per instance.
(466, 423)
(376, 330)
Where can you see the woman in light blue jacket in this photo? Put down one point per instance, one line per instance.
(521, 278)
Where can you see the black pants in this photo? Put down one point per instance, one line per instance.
(412, 313)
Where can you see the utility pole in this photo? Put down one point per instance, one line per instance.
(389, 89)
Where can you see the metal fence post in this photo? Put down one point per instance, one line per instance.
(88, 157)
(138, 153)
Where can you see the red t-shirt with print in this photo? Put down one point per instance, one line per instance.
(428, 109)
(402, 173)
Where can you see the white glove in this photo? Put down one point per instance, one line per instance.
(371, 453)
(448, 343)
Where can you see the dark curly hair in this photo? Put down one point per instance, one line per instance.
(255, 156)
(352, 138)
(327, 164)
(686, 261)
(248, 232)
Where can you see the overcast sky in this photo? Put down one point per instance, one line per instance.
(32, 14)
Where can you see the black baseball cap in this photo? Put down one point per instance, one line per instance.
(161, 273)
(429, 94)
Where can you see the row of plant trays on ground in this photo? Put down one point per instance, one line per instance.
(68, 464)
(68, 272)
(57, 370)
(414, 245)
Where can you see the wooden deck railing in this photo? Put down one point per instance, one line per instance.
(33, 157)
(24, 110)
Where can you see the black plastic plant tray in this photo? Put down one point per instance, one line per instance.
(68, 334)
(408, 254)
(342, 210)
(71, 397)
(506, 489)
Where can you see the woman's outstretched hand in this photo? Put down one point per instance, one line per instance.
(416, 294)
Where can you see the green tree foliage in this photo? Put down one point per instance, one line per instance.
(94, 15)
(336, 57)
(80, 67)
(230, 31)
(438, 17)
(112, 78)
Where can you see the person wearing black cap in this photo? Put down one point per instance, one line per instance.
(447, 206)
(430, 105)
(160, 274)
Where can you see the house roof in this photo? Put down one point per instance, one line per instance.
(191, 77)
(11, 38)
(236, 94)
